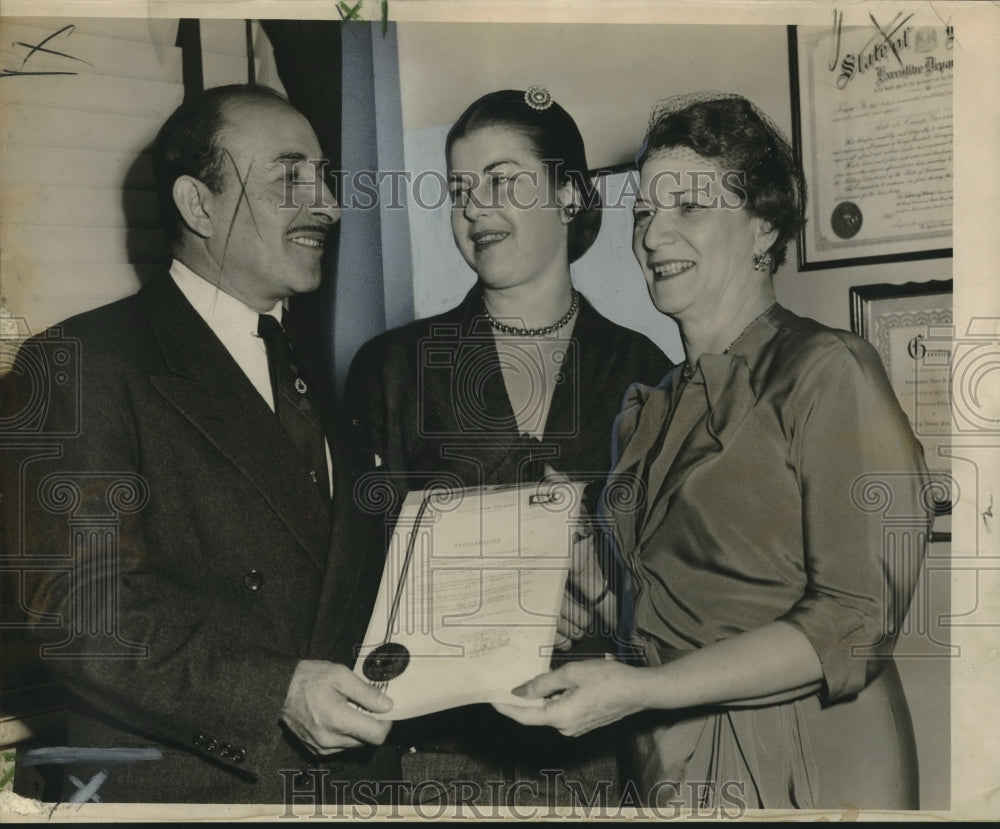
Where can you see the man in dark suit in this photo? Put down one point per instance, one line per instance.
(178, 555)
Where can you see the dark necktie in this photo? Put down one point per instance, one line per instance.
(294, 403)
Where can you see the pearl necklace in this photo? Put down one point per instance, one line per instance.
(687, 370)
(535, 332)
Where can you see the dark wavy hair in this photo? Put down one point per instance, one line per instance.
(555, 139)
(733, 133)
(187, 145)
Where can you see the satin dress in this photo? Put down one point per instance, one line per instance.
(782, 481)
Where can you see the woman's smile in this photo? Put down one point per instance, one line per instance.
(484, 239)
(671, 267)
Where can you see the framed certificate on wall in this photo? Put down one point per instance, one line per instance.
(872, 127)
(912, 328)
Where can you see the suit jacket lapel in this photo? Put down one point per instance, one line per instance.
(207, 387)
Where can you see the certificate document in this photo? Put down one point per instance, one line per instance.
(876, 126)
(912, 328)
(470, 595)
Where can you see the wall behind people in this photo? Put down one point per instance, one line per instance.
(608, 77)
(78, 225)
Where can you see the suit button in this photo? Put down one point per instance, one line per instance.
(225, 750)
(239, 755)
(253, 580)
(198, 741)
(211, 745)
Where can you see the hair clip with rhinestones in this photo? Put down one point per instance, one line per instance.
(538, 97)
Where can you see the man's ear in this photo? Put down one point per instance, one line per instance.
(194, 201)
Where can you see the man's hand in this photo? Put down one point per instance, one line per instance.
(318, 711)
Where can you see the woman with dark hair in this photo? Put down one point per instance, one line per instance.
(523, 373)
(764, 587)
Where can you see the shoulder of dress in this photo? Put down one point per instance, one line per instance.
(626, 340)
(805, 338)
(398, 349)
(638, 393)
(407, 333)
(812, 361)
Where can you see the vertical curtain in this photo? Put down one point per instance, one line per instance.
(308, 57)
(189, 41)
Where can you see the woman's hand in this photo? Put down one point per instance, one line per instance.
(585, 572)
(580, 697)
(586, 589)
(770, 664)
(574, 621)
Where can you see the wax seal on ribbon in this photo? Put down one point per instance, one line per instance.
(846, 219)
(386, 662)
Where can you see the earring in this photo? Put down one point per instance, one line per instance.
(762, 261)
(571, 210)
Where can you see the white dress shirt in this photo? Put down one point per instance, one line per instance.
(235, 324)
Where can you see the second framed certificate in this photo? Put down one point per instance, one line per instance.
(911, 327)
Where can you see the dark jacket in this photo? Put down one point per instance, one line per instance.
(428, 399)
(177, 561)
